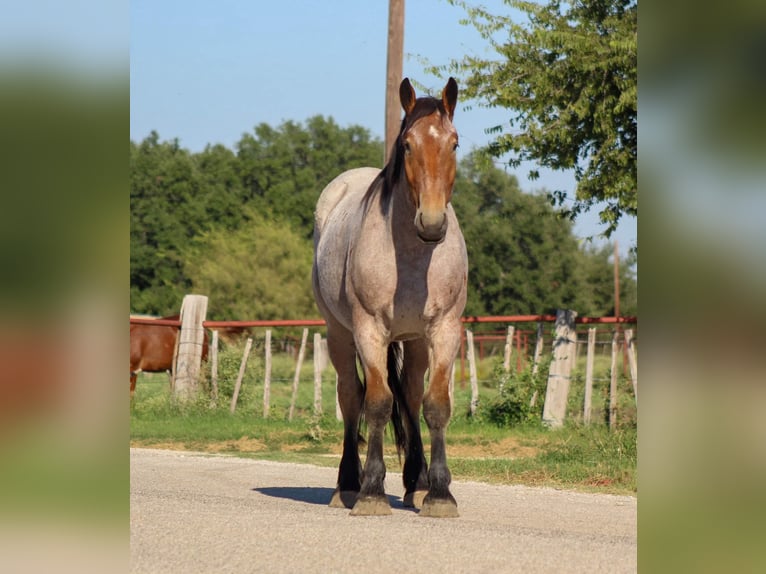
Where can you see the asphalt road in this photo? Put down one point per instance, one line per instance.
(193, 513)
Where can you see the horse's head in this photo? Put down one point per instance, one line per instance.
(428, 141)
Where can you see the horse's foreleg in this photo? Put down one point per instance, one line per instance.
(415, 472)
(437, 408)
(378, 401)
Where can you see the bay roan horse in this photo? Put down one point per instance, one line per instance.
(152, 348)
(389, 276)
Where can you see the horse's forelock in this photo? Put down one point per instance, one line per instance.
(423, 107)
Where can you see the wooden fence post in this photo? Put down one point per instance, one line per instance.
(472, 372)
(318, 362)
(241, 374)
(557, 392)
(613, 381)
(301, 353)
(589, 375)
(508, 348)
(539, 342)
(630, 345)
(189, 346)
(214, 368)
(267, 375)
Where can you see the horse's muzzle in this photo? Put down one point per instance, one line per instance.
(431, 228)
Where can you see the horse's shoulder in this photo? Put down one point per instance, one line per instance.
(349, 181)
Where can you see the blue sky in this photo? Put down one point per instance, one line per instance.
(206, 72)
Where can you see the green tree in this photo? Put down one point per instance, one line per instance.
(178, 196)
(598, 271)
(174, 196)
(285, 169)
(262, 270)
(568, 77)
(523, 258)
(161, 189)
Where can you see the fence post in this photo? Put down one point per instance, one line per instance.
(472, 372)
(613, 381)
(557, 392)
(214, 368)
(589, 375)
(318, 362)
(189, 346)
(301, 353)
(462, 360)
(241, 374)
(539, 342)
(507, 353)
(267, 375)
(630, 345)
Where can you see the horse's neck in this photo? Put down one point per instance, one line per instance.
(402, 212)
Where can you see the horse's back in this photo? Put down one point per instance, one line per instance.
(351, 183)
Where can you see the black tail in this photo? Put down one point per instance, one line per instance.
(395, 365)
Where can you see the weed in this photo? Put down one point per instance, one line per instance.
(520, 399)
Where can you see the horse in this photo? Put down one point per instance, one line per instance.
(152, 348)
(389, 276)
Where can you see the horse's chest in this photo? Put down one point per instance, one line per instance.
(407, 294)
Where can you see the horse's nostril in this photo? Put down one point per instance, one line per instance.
(431, 229)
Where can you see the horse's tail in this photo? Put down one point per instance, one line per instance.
(395, 365)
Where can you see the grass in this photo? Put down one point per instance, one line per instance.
(588, 458)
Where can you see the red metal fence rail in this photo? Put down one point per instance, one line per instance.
(321, 323)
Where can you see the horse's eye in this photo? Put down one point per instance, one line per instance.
(454, 147)
(407, 147)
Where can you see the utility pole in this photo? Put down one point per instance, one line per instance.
(616, 280)
(393, 72)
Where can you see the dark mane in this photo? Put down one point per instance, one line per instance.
(390, 174)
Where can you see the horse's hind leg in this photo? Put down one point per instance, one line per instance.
(340, 345)
(415, 472)
(437, 407)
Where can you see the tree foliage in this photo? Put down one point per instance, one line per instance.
(237, 225)
(260, 270)
(177, 196)
(284, 169)
(568, 78)
(523, 257)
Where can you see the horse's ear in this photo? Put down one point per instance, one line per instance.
(407, 96)
(449, 97)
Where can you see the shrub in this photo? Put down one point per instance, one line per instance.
(512, 405)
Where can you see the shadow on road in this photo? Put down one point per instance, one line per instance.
(311, 494)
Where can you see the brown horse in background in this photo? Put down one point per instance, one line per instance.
(152, 348)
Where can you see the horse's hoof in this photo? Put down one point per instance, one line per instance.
(344, 498)
(371, 506)
(415, 499)
(439, 508)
